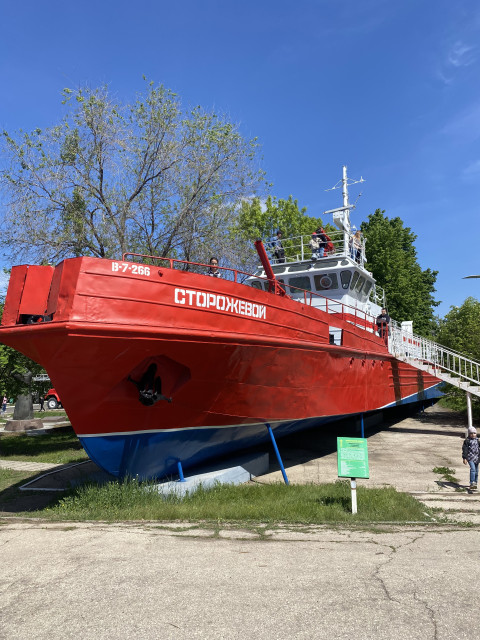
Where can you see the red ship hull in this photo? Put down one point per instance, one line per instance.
(231, 358)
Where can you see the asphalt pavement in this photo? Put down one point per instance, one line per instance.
(97, 581)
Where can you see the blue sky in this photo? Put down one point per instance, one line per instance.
(389, 88)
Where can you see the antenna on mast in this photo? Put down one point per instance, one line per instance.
(341, 216)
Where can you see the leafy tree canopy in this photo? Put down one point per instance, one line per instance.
(392, 258)
(11, 362)
(460, 330)
(262, 221)
(148, 177)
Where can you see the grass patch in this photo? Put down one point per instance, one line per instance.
(446, 473)
(57, 413)
(273, 503)
(57, 447)
(9, 477)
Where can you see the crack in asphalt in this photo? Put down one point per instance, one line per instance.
(431, 614)
(393, 550)
(429, 609)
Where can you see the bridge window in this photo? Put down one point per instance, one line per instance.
(256, 284)
(345, 277)
(326, 281)
(354, 280)
(360, 283)
(297, 267)
(302, 282)
(266, 283)
(367, 287)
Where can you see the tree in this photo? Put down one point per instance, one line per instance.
(12, 363)
(460, 330)
(147, 177)
(257, 221)
(392, 259)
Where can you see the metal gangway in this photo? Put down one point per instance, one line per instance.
(446, 364)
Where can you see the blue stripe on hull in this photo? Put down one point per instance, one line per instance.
(155, 454)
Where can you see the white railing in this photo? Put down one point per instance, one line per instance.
(377, 295)
(426, 353)
(297, 248)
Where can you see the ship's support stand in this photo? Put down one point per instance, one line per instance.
(277, 453)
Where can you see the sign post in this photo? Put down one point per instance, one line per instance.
(352, 458)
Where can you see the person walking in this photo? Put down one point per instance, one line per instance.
(41, 401)
(470, 455)
(4, 405)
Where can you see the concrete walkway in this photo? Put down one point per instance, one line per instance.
(151, 581)
(18, 465)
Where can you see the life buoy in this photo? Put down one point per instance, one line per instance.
(325, 282)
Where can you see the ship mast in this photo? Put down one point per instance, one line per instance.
(341, 216)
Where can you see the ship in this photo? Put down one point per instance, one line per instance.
(162, 366)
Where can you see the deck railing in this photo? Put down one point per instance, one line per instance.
(297, 248)
(351, 314)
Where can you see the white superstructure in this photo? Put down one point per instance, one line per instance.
(340, 275)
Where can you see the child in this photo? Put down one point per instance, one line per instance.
(470, 455)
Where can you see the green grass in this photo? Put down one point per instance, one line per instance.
(446, 473)
(58, 447)
(9, 477)
(57, 413)
(277, 503)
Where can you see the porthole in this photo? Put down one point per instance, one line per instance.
(326, 281)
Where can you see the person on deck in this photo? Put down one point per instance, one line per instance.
(383, 328)
(471, 454)
(314, 243)
(214, 271)
(356, 246)
(322, 241)
(278, 249)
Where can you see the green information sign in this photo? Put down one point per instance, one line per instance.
(352, 455)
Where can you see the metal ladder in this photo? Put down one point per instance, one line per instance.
(447, 365)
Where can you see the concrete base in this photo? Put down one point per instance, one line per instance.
(236, 470)
(23, 425)
(232, 471)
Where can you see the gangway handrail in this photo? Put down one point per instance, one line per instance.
(412, 347)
